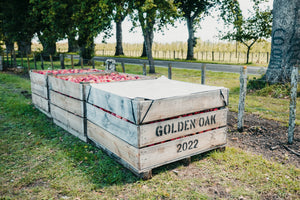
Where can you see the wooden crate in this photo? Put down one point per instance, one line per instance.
(142, 160)
(142, 123)
(68, 98)
(40, 91)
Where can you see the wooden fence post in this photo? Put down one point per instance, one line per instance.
(81, 62)
(93, 63)
(1, 63)
(293, 101)
(174, 55)
(28, 64)
(72, 62)
(203, 72)
(62, 60)
(22, 64)
(212, 55)
(51, 60)
(123, 67)
(243, 90)
(144, 69)
(42, 62)
(15, 59)
(34, 61)
(170, 71)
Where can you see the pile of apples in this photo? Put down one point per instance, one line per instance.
(67, 71)
(99, 78)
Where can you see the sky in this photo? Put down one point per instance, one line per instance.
(208, 32)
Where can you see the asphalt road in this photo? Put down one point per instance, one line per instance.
(188, 65)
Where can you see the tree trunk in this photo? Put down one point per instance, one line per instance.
(24, 47)
(148, 37)
(144, 53)
(49, 46)
(285, 45)
(119, 45)
(9, 45)
(72, 43)
(86, 49)
(248, 53)
(191, 39)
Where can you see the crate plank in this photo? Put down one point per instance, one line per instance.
(110, 142)
(39, 90)
(145, 134)
(147, 158)
(70, 130)
(39, 79)
(66, 87)
(149, 100)
(71, 122)
(70, 104)
(41, 103)
(161, 154)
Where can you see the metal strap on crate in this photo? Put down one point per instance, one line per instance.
(223, 98)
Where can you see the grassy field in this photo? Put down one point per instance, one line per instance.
(41, 161)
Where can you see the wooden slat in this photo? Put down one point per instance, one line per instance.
(166, 108)
(67, 103)
(145, 134)
(151, 157)
(122, 129)
(39, 79)
(140, 110)
(71, 122)
(70, 130)
(40, 102)
(162, 154)
(110, 142)
(39, 90)
(66, 87)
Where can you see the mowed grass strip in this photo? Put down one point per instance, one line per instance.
(39, 160)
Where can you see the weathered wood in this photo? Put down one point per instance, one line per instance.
(67, 103)
(203, 73)
(293, 102)
(39, 90)
(123, 67)
(145, 159)
(28, 64)
(72, 61)
(40, 79)
(169, 71)
(243, 90)
(62, 61)
(34, 61)
(68, 121)
(137, 102)
(144, 70)
(1, 63)
(146, 134)
(66, 87)
(51, 60)
(41, 103)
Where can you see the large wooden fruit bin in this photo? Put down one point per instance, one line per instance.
(67, 98)
(149, 123)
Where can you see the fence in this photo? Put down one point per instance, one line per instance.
(215, 56)
(239, 101)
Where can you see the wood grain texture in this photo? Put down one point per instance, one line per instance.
(41, 103)
(66, 87)
(70, 121)
(39, 79)
(67, 103)
(70, 130)
(146, 134)
(39, 90)
(147, 158)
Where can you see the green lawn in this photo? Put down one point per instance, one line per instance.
(39, 160)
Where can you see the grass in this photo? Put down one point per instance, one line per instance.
(39, 160)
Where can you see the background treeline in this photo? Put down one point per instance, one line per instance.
(81, 21)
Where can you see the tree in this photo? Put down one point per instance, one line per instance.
(17, 25)
(152, 15)
(48, 19)
(121, 10)
(91, 18)
(193, 11)
(285, 45)
(246, 31)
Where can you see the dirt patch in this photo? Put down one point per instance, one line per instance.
(265, 137)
